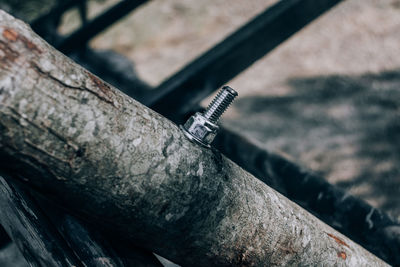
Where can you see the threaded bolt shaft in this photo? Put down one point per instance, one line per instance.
(220, 103)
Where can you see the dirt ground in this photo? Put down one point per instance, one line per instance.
(328, 98)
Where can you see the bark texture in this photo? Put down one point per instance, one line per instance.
(114, 161)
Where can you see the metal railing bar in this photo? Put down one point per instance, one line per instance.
(207, 73)
(80, 37)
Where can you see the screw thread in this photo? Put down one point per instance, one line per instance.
(220, 103)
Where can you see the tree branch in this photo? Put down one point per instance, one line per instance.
(110, 159)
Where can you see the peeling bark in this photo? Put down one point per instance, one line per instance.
(111, 160)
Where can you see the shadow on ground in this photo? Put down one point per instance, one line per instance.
(346, 128)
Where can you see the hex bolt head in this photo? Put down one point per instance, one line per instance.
(202, 128)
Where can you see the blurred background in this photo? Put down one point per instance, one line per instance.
(327, 99)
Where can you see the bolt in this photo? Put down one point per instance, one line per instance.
(202, 128)
(220, 103)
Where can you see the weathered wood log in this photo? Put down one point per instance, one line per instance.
(87, 246)
(133, 255)
(34, 235)
(4, 238)
(94, 249)
(114, 161)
